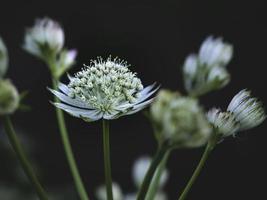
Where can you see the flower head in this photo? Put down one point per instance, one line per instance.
(140, 168)
(244, 112)
(206, 71)
(102, 195)
(9, 97)
(179, 120)
(104, 89)
(223, 122)
(3, 58)
(46, 37)
(247, 110)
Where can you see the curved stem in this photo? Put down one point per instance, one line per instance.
(197, 171)
(151, 171)
(154, 186)
(24, 161)
(107, 164)
(68, 151)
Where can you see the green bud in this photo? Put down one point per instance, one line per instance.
(9, 97)
(179, 120)
(3, 58)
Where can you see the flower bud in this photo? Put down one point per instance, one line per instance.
(117, 193)
(214, 51)
(218, 77)
(9, 97)
(247, 110)
(224, 123)
(179, 120)
(44, 39)
(3, 58)
(140, 168)
(65, 61)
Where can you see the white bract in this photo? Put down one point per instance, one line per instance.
(206, 71)
(44, 38)
(140, 168)
(3, 59)
(224, 122)
(104, 89)
(247, 110)
(244, 112)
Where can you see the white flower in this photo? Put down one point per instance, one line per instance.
(224, 122)
(214, 51)
(247, 110)
(44, 38)
(140, 168)
(116, 190)
(206, 71)
(3, 58)
(160, 195)
(105, 89)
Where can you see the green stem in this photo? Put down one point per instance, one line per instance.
(197, 171)
(151, 171)
(68, 151)
(154, 186)
(24, 161)
(107, 164)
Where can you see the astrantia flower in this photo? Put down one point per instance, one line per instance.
(247, 110)
(104, 89)
(9, 97)
(46, 37)
(117, 192)
(244, 112)
(224, 123)
(3, 58)
(206, 71)
(179, 120)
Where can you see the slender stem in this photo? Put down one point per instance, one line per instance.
(197, 171)
(107, 164)
(68, 151)
(156, 179)
(24, 161)
(151, 171)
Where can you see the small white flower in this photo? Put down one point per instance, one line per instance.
(69, 58)
(105, 89)
(218, 76)
(3, 58)
(224, 122)
(116, 190)
(65, 61)
(214, 51)
(45, 37)
(140, 168)
(247, 110)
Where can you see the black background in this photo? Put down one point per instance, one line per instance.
(155, 38)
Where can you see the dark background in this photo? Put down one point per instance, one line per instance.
(155, 37)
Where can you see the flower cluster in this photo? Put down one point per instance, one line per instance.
(207, 70)
(179, 120)
(46, 40)
(104, 89)
(244, 112)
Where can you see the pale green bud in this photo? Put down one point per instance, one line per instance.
(9, 97)
(3, 59)
(117, 192)
(179, 120)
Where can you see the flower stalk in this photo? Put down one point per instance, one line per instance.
(106, 149)
(68, 151)
(210, 146)
(24, 161)
(161, 152)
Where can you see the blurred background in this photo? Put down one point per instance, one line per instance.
(154, 37)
